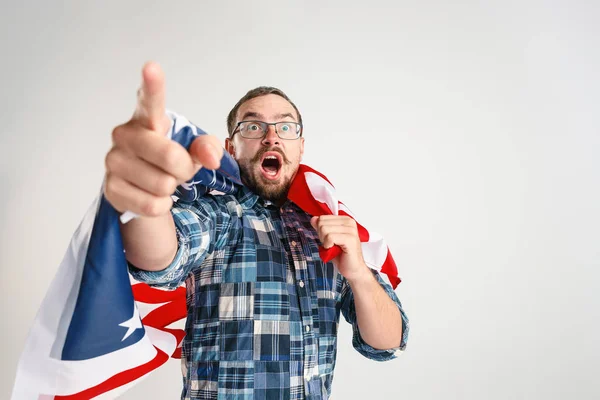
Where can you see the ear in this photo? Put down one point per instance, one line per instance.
(230, 147)
(301, 148)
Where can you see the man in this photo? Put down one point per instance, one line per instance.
(263, 308)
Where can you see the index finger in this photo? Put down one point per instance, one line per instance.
(150, 110)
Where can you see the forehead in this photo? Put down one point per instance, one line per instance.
(268, 107)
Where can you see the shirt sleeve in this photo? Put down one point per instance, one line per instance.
(200, 228)
(349, 312)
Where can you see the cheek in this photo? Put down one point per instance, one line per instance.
(294, 156)
(244, 153)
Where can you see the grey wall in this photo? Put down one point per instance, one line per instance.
(467, 134)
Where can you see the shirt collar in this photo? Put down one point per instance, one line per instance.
(249, 199)
(246, 197)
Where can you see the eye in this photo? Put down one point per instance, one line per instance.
(286, 128)
(253, 127)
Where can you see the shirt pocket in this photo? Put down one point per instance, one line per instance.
(328, 306)
(271, 264)
(260, 230)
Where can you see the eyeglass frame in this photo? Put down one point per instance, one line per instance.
(299, 131)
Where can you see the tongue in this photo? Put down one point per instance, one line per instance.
(270, 168)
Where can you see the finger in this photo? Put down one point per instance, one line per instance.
(324, 231)
(159, 151)
(126, 197)
(344, 240)
(337, 220)
(150, 110)
(206, 151)
(140, 173)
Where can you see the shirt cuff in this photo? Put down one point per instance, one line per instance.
(193, 240)
(382, 354)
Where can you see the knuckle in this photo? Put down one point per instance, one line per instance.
(110, 189)
(108, 160)
(111, 161)
(166, 184)
(117, 134)
(323, 232)
(150, 208)
(170, 157)
(156, 207)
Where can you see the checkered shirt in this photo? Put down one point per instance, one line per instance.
(263, 309)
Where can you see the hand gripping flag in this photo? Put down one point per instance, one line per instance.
(98, 332)
(313, 193)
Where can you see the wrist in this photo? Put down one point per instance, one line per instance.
(364, 275)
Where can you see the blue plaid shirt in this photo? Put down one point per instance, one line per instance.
(263, 309)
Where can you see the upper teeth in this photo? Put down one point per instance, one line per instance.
(270, 157)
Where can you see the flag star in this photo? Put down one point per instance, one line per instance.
(132, 324)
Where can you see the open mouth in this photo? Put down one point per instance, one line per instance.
(270, 165)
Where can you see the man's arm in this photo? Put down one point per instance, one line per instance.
(378, 317)
(144, 167)
(150, 242)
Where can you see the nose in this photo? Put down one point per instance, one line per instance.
(271, 137)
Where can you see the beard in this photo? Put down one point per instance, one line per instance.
(273, 191)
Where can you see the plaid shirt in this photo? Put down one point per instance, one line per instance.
(263, 309)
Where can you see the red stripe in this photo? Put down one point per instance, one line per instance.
(119, 379)
(146, 294)
(330, 253)
(166, 314)
(300, 194)
(389, 268)
(363, 233)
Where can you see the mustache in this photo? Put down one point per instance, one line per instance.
(263, 150)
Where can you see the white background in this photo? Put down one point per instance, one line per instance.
(467, 133)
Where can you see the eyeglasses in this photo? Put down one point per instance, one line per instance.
(258, 129)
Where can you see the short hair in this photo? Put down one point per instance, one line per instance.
(257, 92)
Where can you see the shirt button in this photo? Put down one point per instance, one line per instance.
(293, 243)
(301, 283)
(307, 328)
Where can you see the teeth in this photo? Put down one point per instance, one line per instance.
(270, 158)
(272, 173)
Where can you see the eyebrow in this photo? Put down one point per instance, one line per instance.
(285, 115)
(252, 114)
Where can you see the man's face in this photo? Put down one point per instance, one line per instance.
(267, 165)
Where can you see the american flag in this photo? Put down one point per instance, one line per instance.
(98, 332)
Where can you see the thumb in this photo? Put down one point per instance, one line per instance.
(206, 151)
(150, 110)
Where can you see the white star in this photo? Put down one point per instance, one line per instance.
(132, 324)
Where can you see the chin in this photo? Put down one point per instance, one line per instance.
(268, 176)
(274, 190)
